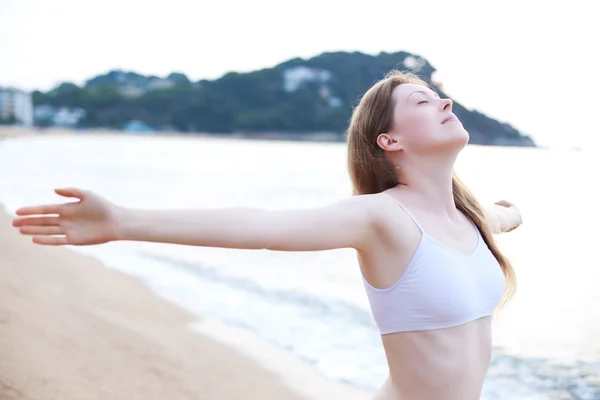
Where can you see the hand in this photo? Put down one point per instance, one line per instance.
(514, 219)
(91, 220)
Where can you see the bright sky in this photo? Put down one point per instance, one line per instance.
(533, 66)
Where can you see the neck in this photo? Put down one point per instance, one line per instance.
(429, 182)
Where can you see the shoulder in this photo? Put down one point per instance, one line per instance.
(382, 212)
(385, 229)
(371, 206)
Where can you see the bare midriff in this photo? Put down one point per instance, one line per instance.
(442, 364)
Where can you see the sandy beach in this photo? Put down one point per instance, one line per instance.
(71, 329)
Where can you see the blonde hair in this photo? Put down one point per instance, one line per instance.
(371, 172)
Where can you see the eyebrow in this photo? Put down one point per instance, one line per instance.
(424, 92)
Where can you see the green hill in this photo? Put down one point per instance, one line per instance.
(297, 98)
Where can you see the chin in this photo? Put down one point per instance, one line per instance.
(459, 138)
(452, 141)
(453, 145)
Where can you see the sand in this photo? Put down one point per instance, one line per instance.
(72, 329)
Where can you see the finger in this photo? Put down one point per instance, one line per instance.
(36, 221)
(37, 210)
(50, 240)
(70, 192)
(41, 230)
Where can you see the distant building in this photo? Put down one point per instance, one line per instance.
(68, 117)
(62, 116)
(414, 63)
(16, 105)
(293, 78)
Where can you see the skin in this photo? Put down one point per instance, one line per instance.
(443, 364)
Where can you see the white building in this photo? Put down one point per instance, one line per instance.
(67, 117)
(17, 104)
(293, 78)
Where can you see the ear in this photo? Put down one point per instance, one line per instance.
(387, 142)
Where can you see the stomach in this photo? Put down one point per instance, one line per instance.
(440, 364)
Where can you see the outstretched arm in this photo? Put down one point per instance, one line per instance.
(345, 224)
(503, 216)
(348, 223)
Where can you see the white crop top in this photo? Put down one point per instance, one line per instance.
(440, 288)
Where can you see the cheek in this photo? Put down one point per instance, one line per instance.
(419, 126)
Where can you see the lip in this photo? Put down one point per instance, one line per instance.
(450, 117)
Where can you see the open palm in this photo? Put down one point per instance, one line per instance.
(91, 220)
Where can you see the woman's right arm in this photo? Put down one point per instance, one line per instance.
(344, 224)
(349, 223)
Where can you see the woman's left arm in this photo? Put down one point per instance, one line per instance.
(503, 216)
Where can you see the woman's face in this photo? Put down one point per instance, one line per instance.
(424, 123)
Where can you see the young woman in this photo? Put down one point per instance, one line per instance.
(432, 271)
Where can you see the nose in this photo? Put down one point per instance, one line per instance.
(446, 104)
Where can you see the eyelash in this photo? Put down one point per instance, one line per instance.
(421, 102)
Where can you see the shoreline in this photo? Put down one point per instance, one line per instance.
(312, 137)
(8, 131)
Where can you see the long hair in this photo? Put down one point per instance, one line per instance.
(371, 172)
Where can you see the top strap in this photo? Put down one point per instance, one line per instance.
(407, 212)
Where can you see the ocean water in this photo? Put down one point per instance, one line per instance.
(546, 341)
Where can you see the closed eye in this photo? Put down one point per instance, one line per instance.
(421, 102)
